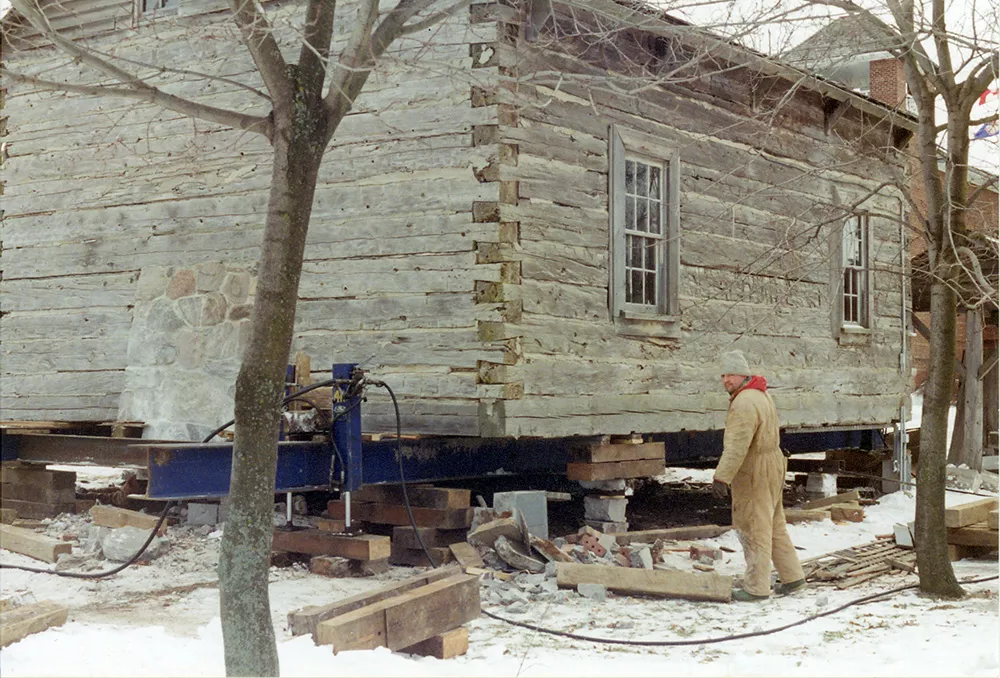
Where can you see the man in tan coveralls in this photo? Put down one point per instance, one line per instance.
(753, 466)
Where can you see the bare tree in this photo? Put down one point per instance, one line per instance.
(947, 66)
(308, 99)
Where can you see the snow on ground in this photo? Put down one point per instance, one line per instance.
(162, 620)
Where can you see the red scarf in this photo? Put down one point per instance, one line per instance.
(754, 382)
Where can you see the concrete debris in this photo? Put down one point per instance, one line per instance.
(77, 561)
(488, 532)
(597, 592)
(514, 554)
(550, 569)
(641, 557)
(124, 542)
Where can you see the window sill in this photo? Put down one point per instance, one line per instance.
(855, 335)
(650, 325)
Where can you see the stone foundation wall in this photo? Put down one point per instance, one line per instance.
(189, 330)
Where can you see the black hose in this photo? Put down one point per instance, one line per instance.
(163, 515)
(99, 575)
(719, 639)
(402, 477)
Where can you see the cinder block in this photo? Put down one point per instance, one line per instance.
(608, 526)
(609, 509)
(823, 484)
(531, 504)
(202, 514)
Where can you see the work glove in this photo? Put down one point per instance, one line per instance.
(719, 489)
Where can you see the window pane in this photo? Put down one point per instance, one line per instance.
(654, 217)
(651, 289)
(634, 253)
(641, 178)
(651, 246)
(640, 215)
(630, 177)
(629, 213)
(636, 297)
(654, 182)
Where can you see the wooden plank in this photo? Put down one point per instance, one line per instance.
(405, 536)
(969, 513)
(31, 544)
(426, 497)
(973, 535)
(329, 525)
(645, 468)
(805, 515)
(113, 516)
(848, 512)
(845, 498)
(993, 521)
(445, 645)
(401, 555)
(466, 554)
(22, 621)
(305, 620)
(613, 453)
(389, 514)
(667, 583)
(322, 543)
(402, 621)
(8, 516)
(672, 533)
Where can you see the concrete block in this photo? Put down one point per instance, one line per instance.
(610, 509)
(607, 526)
(531, 504)
(823, 484)
(202, 514)
(903, 534)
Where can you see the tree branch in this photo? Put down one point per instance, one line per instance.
(251, 123)
(263, 49)
(435, 18)
(971, 200)
(315, 50)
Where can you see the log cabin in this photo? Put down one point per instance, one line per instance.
(535, 223)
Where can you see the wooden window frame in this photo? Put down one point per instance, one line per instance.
(632, 318)
(851, 330)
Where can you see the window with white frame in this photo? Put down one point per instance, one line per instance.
(854, 263)
(645, 256)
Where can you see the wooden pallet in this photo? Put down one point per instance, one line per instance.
(849, 567)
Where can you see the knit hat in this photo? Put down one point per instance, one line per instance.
(733, 362)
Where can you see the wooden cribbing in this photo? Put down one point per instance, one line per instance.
(805, 515)
(667, 583)
(642, 468)
(304, 621)
(425, 497)
(397, 515)
(602, 453)
(407, 619)
(31, 544)
(322, 543)
(969, 513)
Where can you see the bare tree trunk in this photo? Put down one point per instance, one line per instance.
(933, 564)
(250, 648)
(972, 441)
